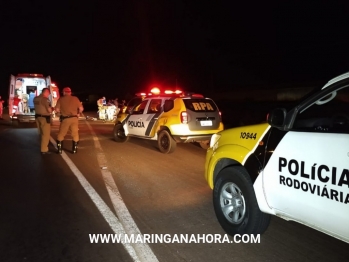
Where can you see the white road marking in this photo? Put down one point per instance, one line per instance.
(143, 250)
(103, 208)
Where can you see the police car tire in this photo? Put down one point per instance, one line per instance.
(254, 221)
(117, 129)
(164, 138)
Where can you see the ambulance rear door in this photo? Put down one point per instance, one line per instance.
(48, 82)
(54, 95)
(11, 94)
(48, 85)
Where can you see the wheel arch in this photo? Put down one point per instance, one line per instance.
(117, 122)
(234, 155)
(221, 164)
(252, 166)
(163, 128)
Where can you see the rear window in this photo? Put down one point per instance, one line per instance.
(200, 105)
(168, 105)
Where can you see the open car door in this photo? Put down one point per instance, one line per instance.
(11, 93)
(48, 81)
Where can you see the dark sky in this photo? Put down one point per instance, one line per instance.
(202, 45)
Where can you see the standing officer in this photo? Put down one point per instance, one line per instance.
(69, 107)
(43, 112)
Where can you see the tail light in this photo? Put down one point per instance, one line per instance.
(184, 117)
(220, 115)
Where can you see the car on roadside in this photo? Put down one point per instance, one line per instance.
(170, 117)
(294, 166)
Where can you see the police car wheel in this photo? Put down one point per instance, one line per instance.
(166, 142)
(235, 203)
(119, 133)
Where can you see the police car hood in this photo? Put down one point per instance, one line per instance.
(245, 136)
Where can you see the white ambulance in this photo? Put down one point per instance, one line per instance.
(22, 90)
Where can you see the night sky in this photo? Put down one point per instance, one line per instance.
(127, 46)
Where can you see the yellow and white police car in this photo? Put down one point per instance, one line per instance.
(170, 117)
(296, 166)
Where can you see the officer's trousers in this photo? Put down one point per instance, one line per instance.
(69, 124)
(44, 129)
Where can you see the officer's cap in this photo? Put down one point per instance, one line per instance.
(67, 90)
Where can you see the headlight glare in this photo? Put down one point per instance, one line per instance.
(214, 139)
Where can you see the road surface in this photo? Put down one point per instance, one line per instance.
(52, 203)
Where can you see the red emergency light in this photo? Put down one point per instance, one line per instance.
(170, 92)
(155, 90)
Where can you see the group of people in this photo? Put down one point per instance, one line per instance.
(109, 110)
(23, 103)
(69, 107)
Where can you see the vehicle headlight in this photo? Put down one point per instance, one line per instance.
(214, 139)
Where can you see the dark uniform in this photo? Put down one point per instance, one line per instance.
(43, 118)
(69, 108)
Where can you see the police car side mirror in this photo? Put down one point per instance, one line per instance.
(276, 118)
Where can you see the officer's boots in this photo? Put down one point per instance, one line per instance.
(59, 147)
(75, 147)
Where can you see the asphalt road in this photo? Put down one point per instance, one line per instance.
(47, 215)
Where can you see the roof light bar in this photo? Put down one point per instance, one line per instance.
(155, 90)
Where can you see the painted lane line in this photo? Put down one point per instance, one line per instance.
(143, 250)
(103, 208)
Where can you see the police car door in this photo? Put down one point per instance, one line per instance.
(135, 122)
(153, 112)
(307, 176)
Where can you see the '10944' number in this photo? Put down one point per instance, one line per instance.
(245, 135)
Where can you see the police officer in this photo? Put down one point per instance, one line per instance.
(69, 107)
(43, 112)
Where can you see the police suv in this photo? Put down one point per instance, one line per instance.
(170, 117)
(296, 166)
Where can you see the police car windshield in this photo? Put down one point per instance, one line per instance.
(134, 101)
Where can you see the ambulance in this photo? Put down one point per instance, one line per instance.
(22, 89)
